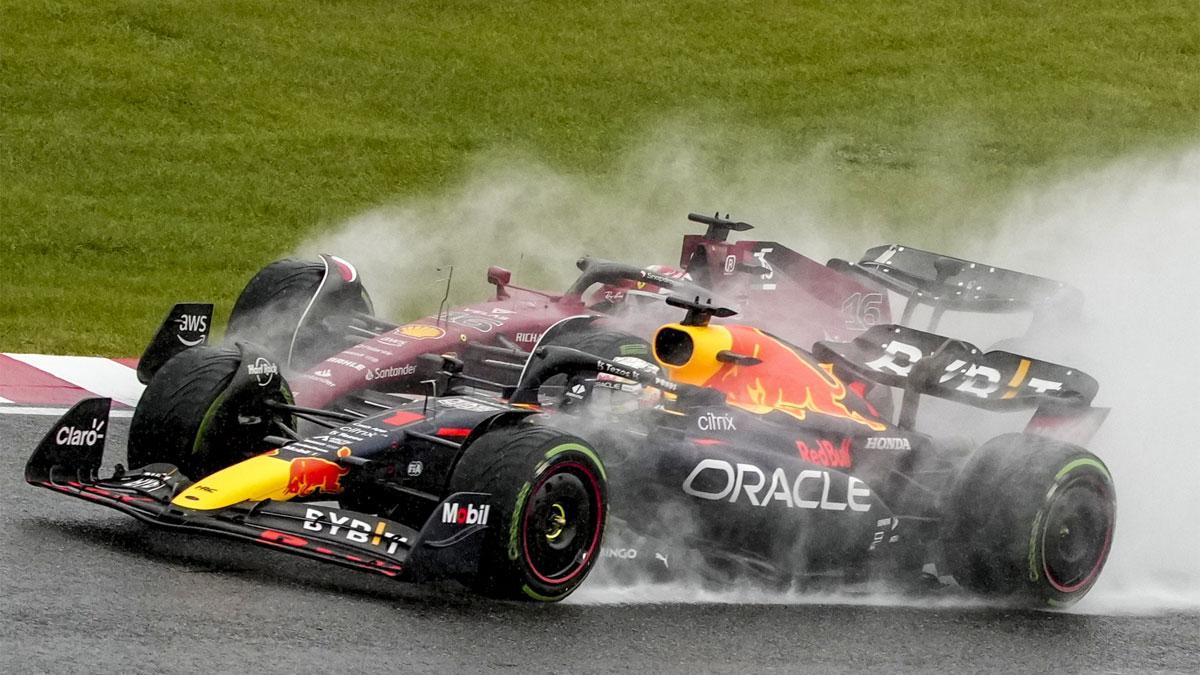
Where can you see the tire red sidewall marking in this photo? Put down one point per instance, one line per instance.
(1091, 575)
(597, 525)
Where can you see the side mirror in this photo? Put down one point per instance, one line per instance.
(726, 356)
(499, 277)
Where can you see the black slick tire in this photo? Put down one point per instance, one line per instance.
(275, 311)
(183, 419)
(549, 500)
(1029, 519)
(608, 344)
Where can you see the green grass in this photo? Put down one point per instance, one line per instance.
(162, 150)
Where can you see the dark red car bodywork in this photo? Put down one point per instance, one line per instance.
(773, 287)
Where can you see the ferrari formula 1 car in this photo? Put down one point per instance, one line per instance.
(758, 457)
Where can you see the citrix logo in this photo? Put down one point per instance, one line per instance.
(713, 422)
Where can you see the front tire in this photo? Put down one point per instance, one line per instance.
(1031, 519)
(549, 497)
(280, 310)
(188, 418)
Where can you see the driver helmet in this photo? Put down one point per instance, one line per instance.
(607, 395)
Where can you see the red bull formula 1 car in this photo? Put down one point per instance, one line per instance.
(760, 458)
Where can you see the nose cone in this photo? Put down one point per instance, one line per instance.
(256, 479)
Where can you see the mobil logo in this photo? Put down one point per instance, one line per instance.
(306, 475)
(465, 514)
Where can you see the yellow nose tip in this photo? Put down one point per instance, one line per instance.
(257, 478)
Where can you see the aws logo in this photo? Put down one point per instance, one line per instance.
(192, 323)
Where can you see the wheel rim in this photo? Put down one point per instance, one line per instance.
(562, 523)
(1077, 534)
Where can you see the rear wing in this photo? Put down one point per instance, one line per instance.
(948, 283)
(925, 363)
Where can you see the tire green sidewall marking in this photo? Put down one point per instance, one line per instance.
(538, 596)
(514, 551)
(1035, 551)
(1083, 461)
(209, 416)
(583, 449)
(1034, 574)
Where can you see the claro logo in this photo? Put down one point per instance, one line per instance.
(716, 480)
(80, 437)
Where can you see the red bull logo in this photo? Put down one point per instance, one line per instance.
(827, 454)
(782, 378)
(306, 475)
(785, 381)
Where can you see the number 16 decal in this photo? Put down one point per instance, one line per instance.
(863, 310)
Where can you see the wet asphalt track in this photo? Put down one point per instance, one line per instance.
(85, 589)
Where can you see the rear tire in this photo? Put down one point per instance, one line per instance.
(274, 311)
(608, 344)
(549, 499)
(185, 418)
(1030, 518)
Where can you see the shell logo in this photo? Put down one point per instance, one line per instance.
(420, 331)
